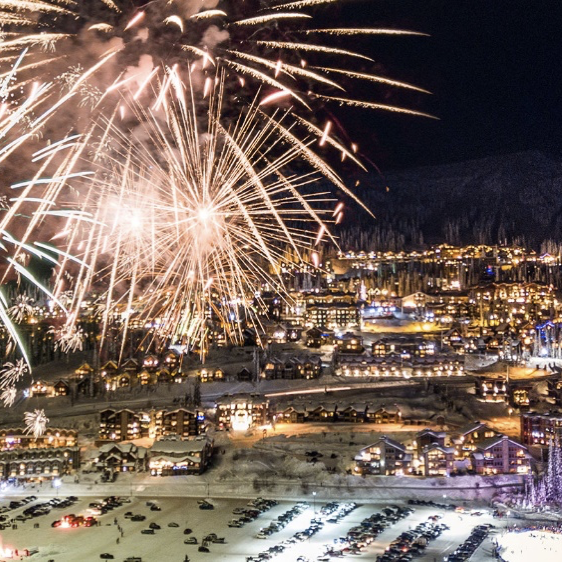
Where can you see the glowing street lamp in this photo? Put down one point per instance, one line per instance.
(56, 484)
(314, 501)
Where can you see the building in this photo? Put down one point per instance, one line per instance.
(17, 438)
(242, 411)
(492, 390)
(403, 346)
(182, 422)
(293, 367)
(438, 460)
(173, 457)
(385, 456)
(427, 437)
(122, 425)
(349, 343)
(467, 438)
(539, 429)
(121, 457)
(127, 425)
(501, 455)
(38, 463)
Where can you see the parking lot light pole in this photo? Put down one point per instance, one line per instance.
(314, 502)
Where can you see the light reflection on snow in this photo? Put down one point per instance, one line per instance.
(531, 545)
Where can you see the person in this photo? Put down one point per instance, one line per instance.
(117, 541)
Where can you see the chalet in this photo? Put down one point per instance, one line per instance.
(171, 360)
(454, 339)
(182, 422)
(61, 388)
(501, 455)
(150, 362)
(121, 457)
(130, 365)
(467, 438)
(244, 375)
(146, 377)
(384, 414)
(41, 388)
(109, 370)
(313, 338)
(427, 437)
(211, 375)
(438, 460)
(349, 343)
(519, 395)
(492, 389)
(173, 457)
(323, 413)
(385, 456)
(291, 414)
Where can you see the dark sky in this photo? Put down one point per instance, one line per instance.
(493, 66)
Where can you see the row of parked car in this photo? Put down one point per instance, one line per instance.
(332, 509)
(282, 521)
(359, 537)
(411, 544)
(43, 508)
(102, 507)
(469, 546)
(250, 513)
(431, 503)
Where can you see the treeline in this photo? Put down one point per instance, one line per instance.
(512, 199)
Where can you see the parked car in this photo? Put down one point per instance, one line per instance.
(203, 549)
(138, 517)
(148, 532)
(172, 524)
(107, 556)
(190, 540)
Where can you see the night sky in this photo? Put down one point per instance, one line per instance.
(493, 66)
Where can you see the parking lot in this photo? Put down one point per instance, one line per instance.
(122, 537)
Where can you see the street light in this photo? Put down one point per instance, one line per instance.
(56, 484)
(314, 501)
(507, 514)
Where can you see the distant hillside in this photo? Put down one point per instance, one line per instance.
(516, 197)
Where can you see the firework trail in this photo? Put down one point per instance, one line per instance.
(36, 422)
(94, 49)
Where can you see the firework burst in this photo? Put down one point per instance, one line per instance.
(22, 309)
(36, 422)
(11, 373)
(8, 396)
(184, 227)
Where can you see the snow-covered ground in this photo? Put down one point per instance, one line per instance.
(531, 545)
(167, 544)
